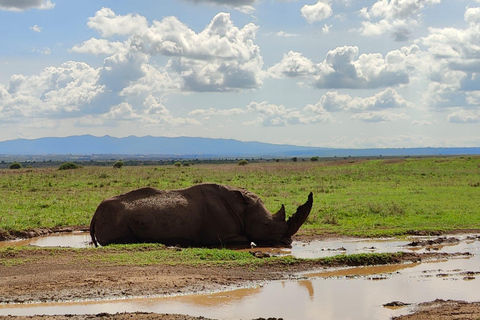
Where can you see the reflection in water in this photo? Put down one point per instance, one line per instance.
(345, 294)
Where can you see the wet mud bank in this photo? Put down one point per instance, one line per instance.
(38, 232)
(59, 281)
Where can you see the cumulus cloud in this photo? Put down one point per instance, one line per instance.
(130, 83)
(397, 17)
(333, 101)
(149, 113)
(317, 12)
(267, 114)
(22, 5)
(108, 24)
(454, 73)
(222, 57)
(56, 91)
(380, 116)
(100, 47)
(342, 69)
(464, 116)
(458, 46)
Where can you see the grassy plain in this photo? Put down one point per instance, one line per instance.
(351, 197)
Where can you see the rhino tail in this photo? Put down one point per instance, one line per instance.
(299, 217)
(92, 232)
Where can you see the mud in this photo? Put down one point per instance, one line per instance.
(70, 275)
(444, 310)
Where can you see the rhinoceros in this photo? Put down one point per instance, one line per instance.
(201, 215)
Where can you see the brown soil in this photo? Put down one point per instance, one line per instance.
(444, 310)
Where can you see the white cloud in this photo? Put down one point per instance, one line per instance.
(464, 116)
(36, 28)
(57, 91)
(108, 24)
(459, 46)
(150, 113)
(217, 112)
(380, 116)
(317, 12)
(245, 6)
(398, 17)
(22, 5)
(333, 101)
(294, 64)
(341, 69)
(454, 66)
(222, 57)
(233, 3)
(422, 123)
(286, 35)
(326, 28)
(100, 47)
(266, 114)
(45, 51)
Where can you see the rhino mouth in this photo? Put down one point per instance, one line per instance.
(284, 242)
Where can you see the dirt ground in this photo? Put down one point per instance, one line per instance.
(444, 310)
(70, 275)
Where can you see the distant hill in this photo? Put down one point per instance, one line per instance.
(188, 147)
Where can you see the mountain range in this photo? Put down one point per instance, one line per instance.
(188, 147)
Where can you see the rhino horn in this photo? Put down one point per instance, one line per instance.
(296, 221)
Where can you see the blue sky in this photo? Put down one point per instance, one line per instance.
(339, 73)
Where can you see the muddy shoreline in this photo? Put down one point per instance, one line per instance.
(70, 275)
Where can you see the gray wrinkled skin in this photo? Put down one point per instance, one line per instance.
(201, 215)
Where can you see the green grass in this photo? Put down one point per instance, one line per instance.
(156, 254)
(364, 198)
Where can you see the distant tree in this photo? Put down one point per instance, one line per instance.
(314, 158)
(242, 162)
(294, 159)
(15, 165)
(178, 164)
(118, 164)
(68, 166)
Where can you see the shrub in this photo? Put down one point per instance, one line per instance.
(294, 159)
(118, 164)
(15, 165)
(178, 164)
(314, 158)
(68, 166)
(242, 162)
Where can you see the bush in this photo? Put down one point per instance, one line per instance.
(15, 165)
(314, 158)
(118, 164)
(68, 166)
(242, 162)
(178, 164)
(294, 159)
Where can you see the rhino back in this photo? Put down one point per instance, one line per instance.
(200, 215)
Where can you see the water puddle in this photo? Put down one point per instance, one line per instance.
(72, 240)
(352, 293)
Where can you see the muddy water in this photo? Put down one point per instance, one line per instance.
(354, 293)
(73, 240)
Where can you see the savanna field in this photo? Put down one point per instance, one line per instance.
(355, 197)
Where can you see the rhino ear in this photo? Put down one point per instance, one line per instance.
(280, 215)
